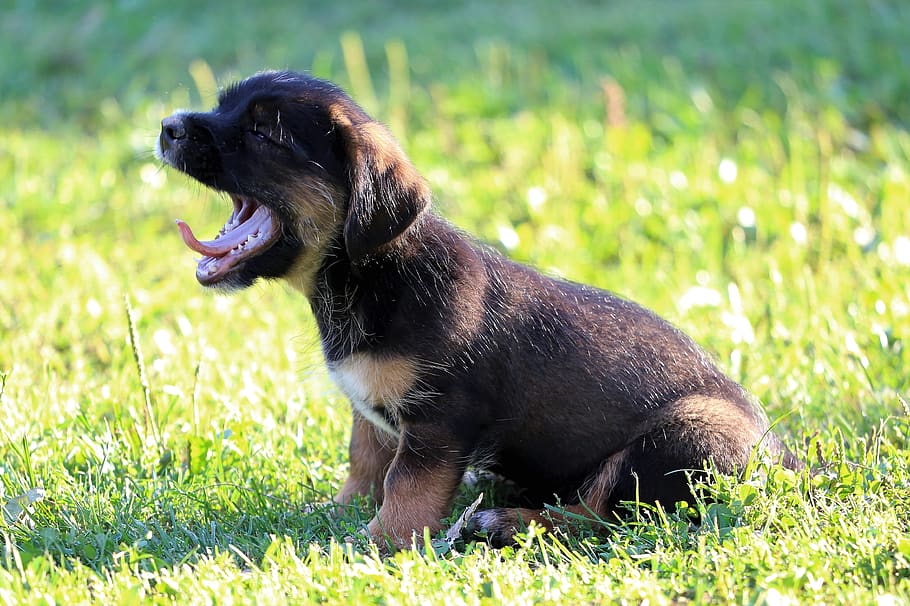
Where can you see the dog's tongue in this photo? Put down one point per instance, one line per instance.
(230, 237)
(250, 230)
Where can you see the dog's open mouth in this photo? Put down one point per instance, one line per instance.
(251, 230)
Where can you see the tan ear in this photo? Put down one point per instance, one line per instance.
(386, 193)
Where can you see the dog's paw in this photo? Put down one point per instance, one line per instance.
(496, 526)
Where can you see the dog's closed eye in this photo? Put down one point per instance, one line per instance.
(265, 123)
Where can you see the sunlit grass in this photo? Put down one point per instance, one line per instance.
(770, 221)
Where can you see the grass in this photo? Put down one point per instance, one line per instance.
(741, 168)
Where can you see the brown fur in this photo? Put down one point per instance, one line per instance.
(371, 452)
(417, 495)
(318, 213)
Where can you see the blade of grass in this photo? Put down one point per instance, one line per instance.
(150, 421)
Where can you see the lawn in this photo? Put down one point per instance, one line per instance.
(741, 168)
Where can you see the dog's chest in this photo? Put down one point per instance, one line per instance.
(375, 384)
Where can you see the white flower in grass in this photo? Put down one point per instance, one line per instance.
(847, 202)
(864, 235)
(508, 237)
(902, 250)
(164, 339)
(678, 180)
(726, 170)
(699, 296)
(746, 217)
(536, 197)
(736, 320)
(798, 232)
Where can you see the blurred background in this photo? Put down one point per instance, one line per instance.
(743, 168)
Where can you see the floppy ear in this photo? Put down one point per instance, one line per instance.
(386, 193)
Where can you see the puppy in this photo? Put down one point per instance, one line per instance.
(450, 354)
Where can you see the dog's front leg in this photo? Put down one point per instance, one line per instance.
(420, 485)
(370, 453)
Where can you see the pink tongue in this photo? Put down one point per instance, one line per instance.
(223, 244)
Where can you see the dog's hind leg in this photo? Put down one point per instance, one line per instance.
(499, 525)
(656, 466)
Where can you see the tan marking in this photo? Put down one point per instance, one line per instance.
(710, 416)
(302, 275)
(373, 149)
(597, 492)
(377, 152)
(371, 382)
(370, 453)
(318, 213)
(383, 149)
(374, 380)
(339, 115)
(415, 498)
(385, 153)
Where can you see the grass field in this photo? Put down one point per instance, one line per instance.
(741, 168)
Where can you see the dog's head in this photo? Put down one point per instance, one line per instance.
(304, 167)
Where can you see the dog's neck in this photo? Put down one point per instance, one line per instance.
(371, 306)
(353, 304)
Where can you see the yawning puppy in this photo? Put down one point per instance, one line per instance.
(450, 353)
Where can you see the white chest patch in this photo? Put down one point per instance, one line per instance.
(372, 383)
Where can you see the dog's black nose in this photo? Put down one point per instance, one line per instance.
(172, 130)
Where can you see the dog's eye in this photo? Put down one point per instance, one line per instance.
(263, 133)
(263, 118)
(260, 132)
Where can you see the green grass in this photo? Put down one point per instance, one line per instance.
(595, 143)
